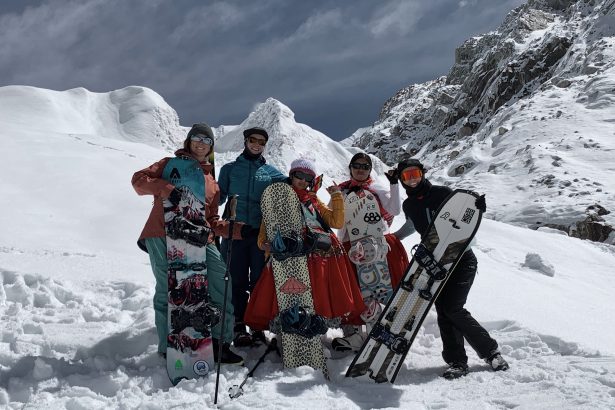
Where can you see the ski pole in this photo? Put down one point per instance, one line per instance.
(237, 391)
(229, 252)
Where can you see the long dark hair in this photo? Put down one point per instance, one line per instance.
(360, 155)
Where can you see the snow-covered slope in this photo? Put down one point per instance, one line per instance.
(77, 319)
(76, 343)
(71, 166)
(525, 115)
(68, 158)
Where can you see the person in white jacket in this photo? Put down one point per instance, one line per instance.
(388, 198)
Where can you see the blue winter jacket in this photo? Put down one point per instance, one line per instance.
(247, 179)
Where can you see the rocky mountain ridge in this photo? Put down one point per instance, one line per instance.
(524, 102)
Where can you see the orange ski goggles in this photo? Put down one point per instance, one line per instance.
(410, 174)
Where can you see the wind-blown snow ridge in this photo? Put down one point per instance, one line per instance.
(135, 114)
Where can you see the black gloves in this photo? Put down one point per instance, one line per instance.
(392, 176)
(175, 196)
(481, 204)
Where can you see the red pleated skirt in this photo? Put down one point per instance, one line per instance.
(335, 289)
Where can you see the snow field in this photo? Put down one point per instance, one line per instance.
(75, 297)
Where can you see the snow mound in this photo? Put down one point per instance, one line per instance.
(135, 114)
(72, 155)
(534, 261)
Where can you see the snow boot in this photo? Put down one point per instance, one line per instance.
(455, 371)
(228, 356)
(350, 330)
(497, 362)
(349, 343)
(242, 337)
(258, 338)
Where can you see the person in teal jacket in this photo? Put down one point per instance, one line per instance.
(247, 177)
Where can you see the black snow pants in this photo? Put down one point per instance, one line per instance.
(247, 262)
(455, 322)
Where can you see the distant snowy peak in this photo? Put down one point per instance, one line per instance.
(351, 141)
(270, 115)
(289, 140)
(222, 130)
(135, 114)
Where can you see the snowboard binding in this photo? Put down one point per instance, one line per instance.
(284, 247)
(297, 320)
(433, 268)
(396, 343)
(427, 261)
(194, 266)
(191, 291)
(180, 228)
(201, 319)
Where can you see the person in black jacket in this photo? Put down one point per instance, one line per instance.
(454, 321)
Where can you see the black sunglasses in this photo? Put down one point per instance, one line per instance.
(260, 141)
(302, 175)
(356, 165)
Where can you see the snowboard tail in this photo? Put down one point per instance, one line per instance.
(447, 238)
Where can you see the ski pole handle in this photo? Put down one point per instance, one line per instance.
(232, 208)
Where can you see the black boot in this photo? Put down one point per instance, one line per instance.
(228, 357)
(242, 337)
(258, 338)
(455, 371)
(497, 362)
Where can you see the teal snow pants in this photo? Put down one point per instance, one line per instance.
(157, 250)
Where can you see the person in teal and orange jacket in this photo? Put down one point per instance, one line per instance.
(198, 145)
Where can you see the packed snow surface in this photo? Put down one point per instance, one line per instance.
(76, 293)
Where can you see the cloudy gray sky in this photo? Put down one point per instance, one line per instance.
(334, 63)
